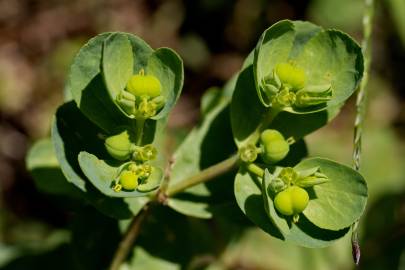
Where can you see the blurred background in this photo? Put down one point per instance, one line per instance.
(38, 39)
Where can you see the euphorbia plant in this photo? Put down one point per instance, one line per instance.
(109, 136)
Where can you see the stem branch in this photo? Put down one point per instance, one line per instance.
(267, 118)
(256, 170)
(204, 176)
(129, 238)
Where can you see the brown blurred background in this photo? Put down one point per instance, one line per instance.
(38, 39)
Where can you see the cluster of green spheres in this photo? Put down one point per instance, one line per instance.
(291, 201)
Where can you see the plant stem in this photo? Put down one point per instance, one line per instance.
(139, 130)
(256, 170)
(204, 176)
(161, 195)
(361, 106)
(129, 238)
(267, 118)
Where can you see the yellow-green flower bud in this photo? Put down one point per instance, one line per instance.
(145, 153)
(146, 109)
(144, 85)
(128, 180)
(248, 153)
(290, 75)
(274, 146)
(119, 146)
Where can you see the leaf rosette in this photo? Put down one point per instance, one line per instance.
(302, 68)
(124, 91)
(333, 205)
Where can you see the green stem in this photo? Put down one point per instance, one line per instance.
(267, 118)
(140, 123)
(128, 240)
(361, 105)
(204, 176)
(256, 170)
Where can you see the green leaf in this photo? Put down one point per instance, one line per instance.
(193, 202)
(209, 99)
(167, 66)
(87, 86)
(249, 197)
(72, 133)
(101, 174)
(118, 62)
(333, 57)
(44, 167)
(280, 222)
(205, 145)
(142, 260)
(275, 46)
(326, 56)
(141, 51)
(339, 202)
(247, 113)
(298, 126)
(125, 55)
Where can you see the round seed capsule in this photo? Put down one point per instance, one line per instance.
(128, 180)
(274, 146)
(119, 146)
(299, 198)
(144, 85)
(291, 201)
(291, 75)
(283, 203)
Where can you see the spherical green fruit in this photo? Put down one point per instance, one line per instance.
(284, 71)
(270, 135)
(297, 79)
(283, 203)
(119, 146)
(291, 75)
(291, 201)
(144, 85)
(300, 199)
(274, 146)
(129, 180)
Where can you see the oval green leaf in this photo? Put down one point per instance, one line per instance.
(326, 56)
(86, 84)
(44, 167)
(167, 66)
(101, 174)
(210, 142)
(339, 202)
(72, 133)
(249, 197)
(248, 116)
(125, 54)
(118, 63)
